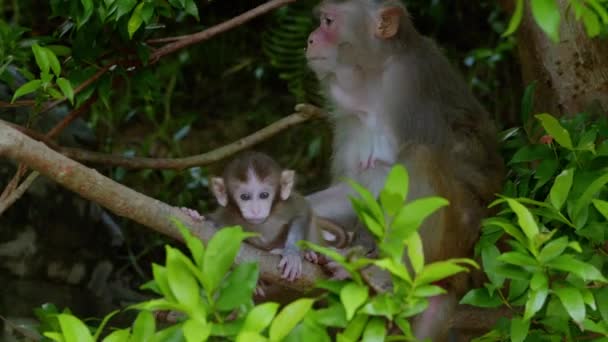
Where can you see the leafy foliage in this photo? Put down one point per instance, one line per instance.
(554, 221)
(546, 13)
(284, 44)
(215, 302)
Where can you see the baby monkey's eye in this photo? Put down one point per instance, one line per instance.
(264, 195)
(245, 197)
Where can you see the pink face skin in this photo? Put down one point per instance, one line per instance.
(325, 37)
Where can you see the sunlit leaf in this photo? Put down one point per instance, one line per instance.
(536, 300)
(524, 219)
(352, 297)
(144, 326)
(27, 88)
(546, 14)
(219, 257)
(41, 57)
(260, 317)
(395, 189)
(375, 331)
(515, 19)
(572, 300)
(550, 123)
(74, 329)
(561, 188)
(289, 317)
(519, 329)
(240, 284)
(66, 88)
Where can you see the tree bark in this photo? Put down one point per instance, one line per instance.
(571, 74)
(126, 202)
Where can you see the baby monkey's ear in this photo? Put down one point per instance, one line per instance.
(218, 187)
(287, 181)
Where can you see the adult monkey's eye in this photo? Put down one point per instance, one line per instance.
(245, 197)
(264, 195)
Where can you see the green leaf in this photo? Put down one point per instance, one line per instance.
(121, 335)
(395, 189)
(190, 8)
(524, 219)
(42, 59)
(162, 281)
(601, 298)
(221, 251)
(66, 89)
(489, 257)
(585, 199)
(592, 23)
(103, 323)
(561, 188)
(136, 20)
(536, 300)
(428, 291)
(539, 281)
(602, 207)
(354, 329)
(408, 220)
(124, 7)
(507, 227)
(530, 153)
(352, 297)
(196, 247)
(415, 252)
(239, 288)
(74, 329)
(181, 281)
(375, 331)
(382, 305)
(518, 258)
(550, 123)
(260, 317)
(143, 327)
(546, 14)
(437, 271)
(572, 300)
(396, 268)
(519, 329)
(370, 202)
(88, 10)
(553, 249)
(289, 317)
(518, 14)
(568, 263)
(481, 298)
(27, 88)
(53, 61)
(248, 336)
(196, 330)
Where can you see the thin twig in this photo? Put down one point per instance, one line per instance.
(217, 29)
(17, 193)
(304, 113)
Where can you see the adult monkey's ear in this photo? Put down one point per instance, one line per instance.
(388, 21)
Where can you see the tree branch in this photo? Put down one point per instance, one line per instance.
(304, 113)
(126, 202)
(194, 38)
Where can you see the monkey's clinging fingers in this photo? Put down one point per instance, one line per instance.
(193, 214)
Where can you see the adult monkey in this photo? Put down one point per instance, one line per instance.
(396, 99)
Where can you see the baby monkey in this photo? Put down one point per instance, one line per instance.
(255, 193)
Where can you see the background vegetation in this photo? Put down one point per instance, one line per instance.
(136, 97)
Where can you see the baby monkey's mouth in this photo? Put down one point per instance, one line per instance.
(256, 220)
